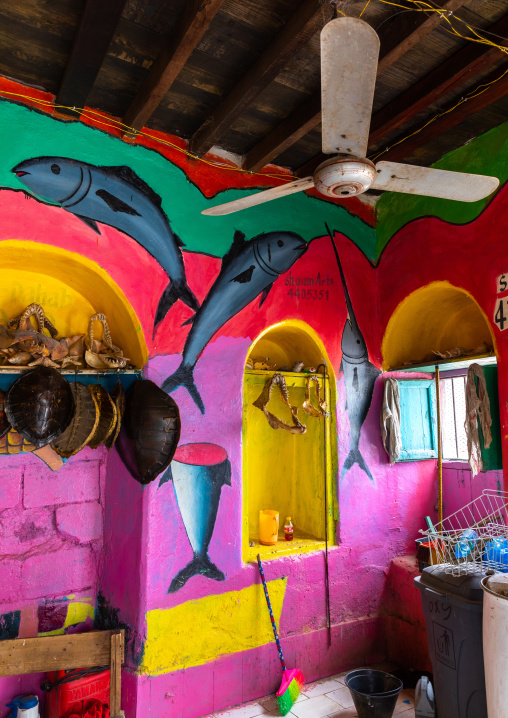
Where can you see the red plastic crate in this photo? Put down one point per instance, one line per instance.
(85, 697)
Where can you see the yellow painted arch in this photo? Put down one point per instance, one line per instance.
(436, 317)
(290, 341)
(283, 471)
(71, 288)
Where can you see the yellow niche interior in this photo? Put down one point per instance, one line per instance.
(71, 288)
(437, 317)
(282, 471)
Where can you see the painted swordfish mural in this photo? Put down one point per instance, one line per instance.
(359, 378)
(248, 269)
(118, 197)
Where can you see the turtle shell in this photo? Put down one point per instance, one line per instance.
(39, 405)
(107, 416)
(150, 431)
(117, 394)
(83, 424)
(4, 421)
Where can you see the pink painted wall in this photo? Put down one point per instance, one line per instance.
(51, 540)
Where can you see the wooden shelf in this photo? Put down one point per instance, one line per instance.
(462, 362)
(79, 372)
(301, 543)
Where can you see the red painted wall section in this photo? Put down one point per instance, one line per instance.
(120, 545)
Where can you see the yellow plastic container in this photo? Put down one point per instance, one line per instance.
(268, 527)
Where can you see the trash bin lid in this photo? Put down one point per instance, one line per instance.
(466, 586)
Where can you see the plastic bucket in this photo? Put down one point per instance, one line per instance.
(374, 693)
(495, 646)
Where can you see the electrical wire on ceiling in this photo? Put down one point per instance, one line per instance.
(414, 6)
(112, 124)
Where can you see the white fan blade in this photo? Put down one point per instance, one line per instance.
(260, 197)
(349, 55)
(427, 181)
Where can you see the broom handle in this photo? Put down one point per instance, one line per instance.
(274, 625)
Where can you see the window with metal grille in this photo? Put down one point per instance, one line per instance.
(453, 417)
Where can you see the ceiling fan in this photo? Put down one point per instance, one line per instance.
(349, 58)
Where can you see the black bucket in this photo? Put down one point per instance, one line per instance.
(374, 693)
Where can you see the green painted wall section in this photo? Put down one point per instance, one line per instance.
(487, 154)
(28, 133)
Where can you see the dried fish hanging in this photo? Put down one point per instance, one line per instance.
(263, 399)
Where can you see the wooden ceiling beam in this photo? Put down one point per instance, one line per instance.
(191, 26)
(308, 18)
(397, 36)
(446, 122)
(97, 26)
(451, 74)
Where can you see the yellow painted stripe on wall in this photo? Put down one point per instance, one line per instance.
(77, 612)
(199, 631)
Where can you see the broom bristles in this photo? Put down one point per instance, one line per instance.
(289, 690)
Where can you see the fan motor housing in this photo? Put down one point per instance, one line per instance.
(344, 176)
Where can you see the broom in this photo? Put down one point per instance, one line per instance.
(292, 680)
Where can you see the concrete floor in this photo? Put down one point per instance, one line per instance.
(328, 698)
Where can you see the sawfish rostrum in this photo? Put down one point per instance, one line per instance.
(118, 197)
(359, 378)
(248, 269)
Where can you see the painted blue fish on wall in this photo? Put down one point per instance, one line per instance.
(118, 197)
(359, 377)
(248, 269)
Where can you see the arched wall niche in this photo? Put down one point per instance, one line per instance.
(438, 317)
(283, 471)
(71, 288)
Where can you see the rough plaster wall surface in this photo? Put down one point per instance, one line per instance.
(50, 527)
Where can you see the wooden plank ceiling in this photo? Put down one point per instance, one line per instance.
(244, 75)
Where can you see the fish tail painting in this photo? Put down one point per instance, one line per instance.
(355, 457)
(248, 270)
(115, 196)
(359, 377)
(173, 292)
(184, 376)
(198, 472)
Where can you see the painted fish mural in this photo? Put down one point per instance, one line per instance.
(115, 196)
(198, 471)
(248, 269)
(359, 377)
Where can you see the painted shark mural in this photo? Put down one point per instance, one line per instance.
(249, 269)
(359, 377)
(118, 197)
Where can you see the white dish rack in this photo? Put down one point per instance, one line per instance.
(473, 539)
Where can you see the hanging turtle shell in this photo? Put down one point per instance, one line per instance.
(107, 416)
(39, 405)
(150, 431)
(83, 425)
(117, 394)
(4, 421)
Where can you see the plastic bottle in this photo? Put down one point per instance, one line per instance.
(26, 706)
(288, 529)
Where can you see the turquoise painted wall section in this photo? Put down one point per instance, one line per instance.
(39, 135)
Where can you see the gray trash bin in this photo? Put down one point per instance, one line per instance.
(453, 610)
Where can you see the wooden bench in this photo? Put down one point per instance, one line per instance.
(57, 653)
